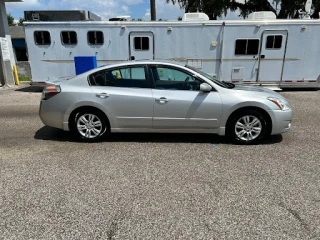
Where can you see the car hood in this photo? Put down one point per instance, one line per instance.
(253, 90)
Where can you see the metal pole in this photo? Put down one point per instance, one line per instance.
(2, 73)
(6, 53)
(221, 52)
(153, 10)
(3, 31)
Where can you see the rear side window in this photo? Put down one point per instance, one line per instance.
(247, 47)
(42, 38)
(95, 38)
(69, 38)
(134, 77)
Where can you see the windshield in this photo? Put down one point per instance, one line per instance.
(209, 77)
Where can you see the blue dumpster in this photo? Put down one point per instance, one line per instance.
(84, 63)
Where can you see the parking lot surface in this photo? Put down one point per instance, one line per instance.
(156, 186)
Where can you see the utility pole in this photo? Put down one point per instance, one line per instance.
(153, 10)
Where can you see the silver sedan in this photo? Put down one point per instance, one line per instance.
(156, 96)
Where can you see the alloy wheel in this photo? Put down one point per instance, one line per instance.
(248, 128)
(89, 126)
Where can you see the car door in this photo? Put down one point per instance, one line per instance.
(179, 103)
(126, 95)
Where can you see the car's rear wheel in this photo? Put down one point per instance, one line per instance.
(247, 127)
(89, 125)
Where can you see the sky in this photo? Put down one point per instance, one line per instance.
(105, 8)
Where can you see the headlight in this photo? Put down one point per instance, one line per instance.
(281, 103)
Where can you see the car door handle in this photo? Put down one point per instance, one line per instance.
(102, 95)
(162, 100)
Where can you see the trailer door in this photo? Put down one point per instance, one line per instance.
(272, 55)
(141, 46)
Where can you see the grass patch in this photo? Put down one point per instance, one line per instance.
(24, 79)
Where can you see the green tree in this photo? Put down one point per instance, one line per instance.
(282, 8)
(216, 8)
(10, 20)
(213, 8)
(21, 22)
(316, 9)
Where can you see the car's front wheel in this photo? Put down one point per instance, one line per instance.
(247, 127)
(89, 125)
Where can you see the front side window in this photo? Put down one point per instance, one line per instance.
(69, 38)
(141, 43)
(173, 79)
(134, 77)
(274, 42)
(247, 47)
(95, 38)
(42, 38)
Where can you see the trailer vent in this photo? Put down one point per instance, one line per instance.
(195, 17)
(266, 15)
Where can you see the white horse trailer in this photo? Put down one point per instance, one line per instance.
(266, 52)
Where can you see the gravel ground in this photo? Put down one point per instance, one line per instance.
(153, 186)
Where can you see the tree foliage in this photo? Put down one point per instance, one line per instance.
(10, 20)
(213, 8)
(216, 8)
(283, 9)
(20, 23)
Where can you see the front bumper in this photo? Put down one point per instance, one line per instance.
(281, 121)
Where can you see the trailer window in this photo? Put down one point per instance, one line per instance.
(247, 47)
(95, 38)
(274, 42)
(69, 38)
(141, 43)
(42, 38)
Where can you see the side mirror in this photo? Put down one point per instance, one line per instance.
(205, 87)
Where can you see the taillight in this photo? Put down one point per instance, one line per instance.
(50, 91)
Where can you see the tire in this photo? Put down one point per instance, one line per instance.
(89, 125)
(247, 127)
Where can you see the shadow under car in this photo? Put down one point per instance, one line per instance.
(53, 134)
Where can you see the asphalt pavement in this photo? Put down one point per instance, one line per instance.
(156, 186)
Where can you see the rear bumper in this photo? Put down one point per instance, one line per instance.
(281, 121)
(49, 116)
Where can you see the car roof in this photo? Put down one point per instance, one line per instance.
(136, 62)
